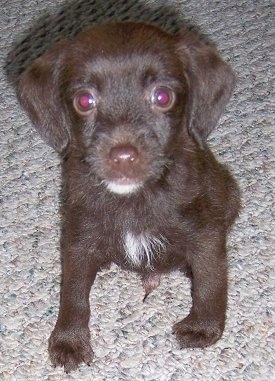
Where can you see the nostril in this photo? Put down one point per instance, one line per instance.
(124, 154)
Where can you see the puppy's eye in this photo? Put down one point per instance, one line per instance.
(163, 98)
(84, 102)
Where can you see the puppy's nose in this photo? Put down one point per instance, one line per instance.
(124, 154)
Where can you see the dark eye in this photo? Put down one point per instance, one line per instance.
(163, 98)
(84, 102)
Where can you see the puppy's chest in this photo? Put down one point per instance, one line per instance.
(142, 237)
(149, 245)
(144, 248)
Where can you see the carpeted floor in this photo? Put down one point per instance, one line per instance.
(133, 340)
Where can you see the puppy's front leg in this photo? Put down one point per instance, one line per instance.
(69, 344)
(205, 323)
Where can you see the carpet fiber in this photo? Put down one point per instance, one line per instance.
(133, 340)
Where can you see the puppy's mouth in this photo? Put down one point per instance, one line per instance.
(123, 186)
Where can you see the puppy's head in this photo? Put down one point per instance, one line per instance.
(126, 98)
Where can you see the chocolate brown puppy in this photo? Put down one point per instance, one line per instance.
(129, 107)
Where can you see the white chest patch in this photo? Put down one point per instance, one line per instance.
(143, 246)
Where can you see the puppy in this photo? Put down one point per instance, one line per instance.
(129, 107)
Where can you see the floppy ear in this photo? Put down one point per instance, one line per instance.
(39, 92)
(210, 80)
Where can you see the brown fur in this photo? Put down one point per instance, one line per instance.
(185, 201)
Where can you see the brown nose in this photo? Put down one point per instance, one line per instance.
(124, 154)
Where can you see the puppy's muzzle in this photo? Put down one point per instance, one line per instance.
(123, 162)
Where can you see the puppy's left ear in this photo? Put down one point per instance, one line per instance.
(210, 81)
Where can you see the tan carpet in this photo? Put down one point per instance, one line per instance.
(133, 340)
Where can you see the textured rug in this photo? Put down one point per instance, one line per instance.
(133, 340)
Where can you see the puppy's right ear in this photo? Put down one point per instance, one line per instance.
(40, 93)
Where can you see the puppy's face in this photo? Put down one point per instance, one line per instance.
(126, 101)
(127, 106)
(124, 97)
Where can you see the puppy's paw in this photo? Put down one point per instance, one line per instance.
(69, 348)
(196, 333)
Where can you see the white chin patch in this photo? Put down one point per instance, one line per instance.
(122, 188)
